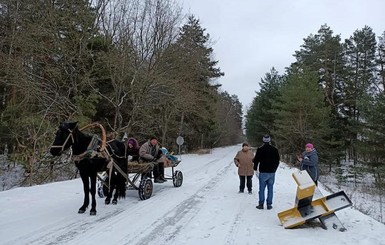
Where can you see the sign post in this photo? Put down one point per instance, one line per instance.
(180, 142)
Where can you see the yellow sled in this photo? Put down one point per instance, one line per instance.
(305, 209)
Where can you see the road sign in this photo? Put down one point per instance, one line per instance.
(180, 140)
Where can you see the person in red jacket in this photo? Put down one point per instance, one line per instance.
(267, 159)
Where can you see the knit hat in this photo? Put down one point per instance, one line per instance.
(132, 142)
(266, 138)
(309, 145)
(153, 138)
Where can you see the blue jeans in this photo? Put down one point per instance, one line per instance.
(266, 179)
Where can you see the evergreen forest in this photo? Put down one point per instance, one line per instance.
(140, 68)
(332, 96)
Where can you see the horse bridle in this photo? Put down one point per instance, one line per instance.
(70, 136)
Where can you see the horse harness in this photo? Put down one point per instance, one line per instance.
(93, 151)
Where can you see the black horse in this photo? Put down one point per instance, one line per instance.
(118, 151)
(92, 155)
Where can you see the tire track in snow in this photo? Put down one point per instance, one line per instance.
(72, 228)
(232, 233)
(59, 233)
(167, 228)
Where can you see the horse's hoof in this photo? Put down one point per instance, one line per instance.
(81, 211)
(114, 202)
(92, 212)
(107, 202)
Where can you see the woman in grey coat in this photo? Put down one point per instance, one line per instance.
(309, 162)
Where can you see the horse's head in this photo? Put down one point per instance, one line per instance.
(64, 138)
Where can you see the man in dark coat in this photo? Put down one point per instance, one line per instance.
(267, 159)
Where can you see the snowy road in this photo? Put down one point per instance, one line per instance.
(206, 209)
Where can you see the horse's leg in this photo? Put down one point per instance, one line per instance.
(86, 189)
(108, 198)
(93, 192)
(115, 200)
(110, 189)
(120, 191)
(114, 183)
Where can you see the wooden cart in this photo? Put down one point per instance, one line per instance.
(139, 177)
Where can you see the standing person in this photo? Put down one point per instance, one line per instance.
(244, 161)
(267, 157)
(150, 152)
(309, 162)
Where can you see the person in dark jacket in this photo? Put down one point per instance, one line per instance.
(267, 159)
(309, 162)
(133, 149)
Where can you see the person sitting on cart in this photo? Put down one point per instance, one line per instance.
(133, 149)
(171, 160)
(150, 152)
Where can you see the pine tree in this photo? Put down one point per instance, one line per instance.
(301, 115)
(192, 70)
(259, 119)
(381, 60)
(359, 55)
(322, 52)
(46, 69)
(228, 120)
(371, 146)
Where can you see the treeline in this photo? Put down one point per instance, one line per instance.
(333, 96)
(139, 67)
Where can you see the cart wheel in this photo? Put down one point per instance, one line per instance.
(100, 191)
(105, 190)
(177, 179)
(145, 189)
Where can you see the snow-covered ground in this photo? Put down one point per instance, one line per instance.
(206, 209)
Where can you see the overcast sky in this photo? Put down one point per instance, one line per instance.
(251, 36)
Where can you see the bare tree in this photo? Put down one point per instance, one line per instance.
(140, 32)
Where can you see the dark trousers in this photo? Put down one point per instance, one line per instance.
(249, 183)
(158, 170)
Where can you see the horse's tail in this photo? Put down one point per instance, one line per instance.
(121, 178)
(121, 188)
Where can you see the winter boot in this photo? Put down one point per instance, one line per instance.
(162, 178)
(158, 180)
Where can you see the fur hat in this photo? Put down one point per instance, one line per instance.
(266, 138)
